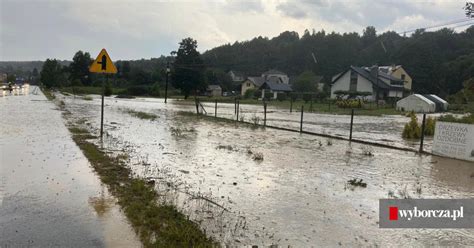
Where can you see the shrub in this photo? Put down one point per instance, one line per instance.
(108, 89)
(307, 97)
(281, 97)
(430, 126)
(249, 93)
(268, 95)
(349, 103)
(155, 90)
(412, 130)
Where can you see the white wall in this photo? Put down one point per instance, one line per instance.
(343, 83)
(417, 104)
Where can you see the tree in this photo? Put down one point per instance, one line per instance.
(52, 74)
(306, 82)
(11, 78)
(369, 36)
(188, 68)
(125, 72)
(79, 67)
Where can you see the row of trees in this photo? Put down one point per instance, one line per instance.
(439, 61)
(141, 77)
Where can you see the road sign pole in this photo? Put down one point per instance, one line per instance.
(102, 107)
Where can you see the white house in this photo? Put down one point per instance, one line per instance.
(416, 103)
(363, 79)
(272, 81)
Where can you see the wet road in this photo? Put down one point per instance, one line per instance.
(296, 196)
(49, 195)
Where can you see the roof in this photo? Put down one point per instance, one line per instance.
(237, 73)
(276, 86)
(272, 71)
(389, 69)
(214, 87)
(365, 72)
(258, 81)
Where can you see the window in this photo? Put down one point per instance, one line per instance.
(248, 84)
(403, 77)
(353, 83)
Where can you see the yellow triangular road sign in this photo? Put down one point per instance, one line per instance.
(103, 64)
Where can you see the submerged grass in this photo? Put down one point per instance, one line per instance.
(156, 225)
(141, 115)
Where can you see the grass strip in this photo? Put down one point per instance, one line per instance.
(156, 225)
(141, 115)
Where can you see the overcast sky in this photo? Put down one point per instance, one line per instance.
(135, 29)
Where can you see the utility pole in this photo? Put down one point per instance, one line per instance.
(167, 74)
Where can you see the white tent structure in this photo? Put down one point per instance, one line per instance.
(416, 103)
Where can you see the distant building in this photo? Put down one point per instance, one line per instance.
(214, 90)
(236, 76)
(251, 83)
(364, 79)
(271, 81)
(397, 71)
(278, 75)
(275, 88)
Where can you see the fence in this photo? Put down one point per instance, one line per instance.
(221, 110)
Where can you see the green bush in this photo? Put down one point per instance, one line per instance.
(430, 126)
(268, 95)
(307, 97)
(349, 103)
(281, 97)
(155, 90)
(412, 130)
(138, 90)
(249, 93)
(108, 89)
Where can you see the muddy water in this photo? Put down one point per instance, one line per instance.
(296, 196)
(49, 195)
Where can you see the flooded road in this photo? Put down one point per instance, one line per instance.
(49, 195)
(253, 186)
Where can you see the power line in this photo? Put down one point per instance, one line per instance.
(437, 25)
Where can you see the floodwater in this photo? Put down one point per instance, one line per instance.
(297, 195)
(49, 194)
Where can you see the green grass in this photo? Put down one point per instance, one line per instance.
(330, 108)
(141, 115)
(467, 119)
(156, 225)
(48, 94)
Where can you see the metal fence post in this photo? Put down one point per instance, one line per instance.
(237, 109)
(264, 114)
(301, 121)
(291, 104)
(352, 122)
(197, 105)
(422, 133)
(215, 109)
(235, 106)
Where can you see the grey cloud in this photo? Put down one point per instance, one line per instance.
(242, 6)
(291, 10)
